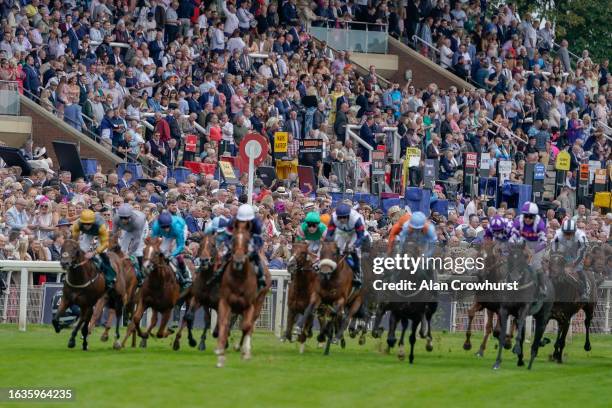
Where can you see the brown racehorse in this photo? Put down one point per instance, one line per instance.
(123, 298)
(160, 292)
(568, 290)
(238, 293)
(332, 289)
(491, 272)
(83, 287)
(202, 294)
(301, 288)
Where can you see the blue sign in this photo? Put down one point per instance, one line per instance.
(539, 171)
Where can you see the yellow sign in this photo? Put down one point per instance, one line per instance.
(413, 155)
(563, 161)
(227, 170)
(601, 176)
(285, 167)
(281, 140)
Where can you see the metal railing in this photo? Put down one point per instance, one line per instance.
(435, 57)
(507, 130)
(9, 98)
(348, 36)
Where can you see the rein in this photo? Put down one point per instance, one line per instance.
(84, 285)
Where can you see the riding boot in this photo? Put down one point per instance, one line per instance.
(139, 273)
(184, 272)
(541, 285)
(261, 281)
(356, 271)
(107, 270)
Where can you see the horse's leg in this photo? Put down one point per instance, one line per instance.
(77, 327)
(401, 353)
(520, 330)
(98, 309)
(376, 328)
(162, 332)
(520, 342)
(488, 330)
(248, 325)
(588, 317)
(290, 321)
(118, 318)
(556, 354)
(412, 339)
(176, 344)
(344, 322)
(134, 326)
(539, 333)
(302, 338)
(85, 328)
(60, 311)
(312, 306)
(391, 340)
(503, 319)
(429, 312)
(329, 333)
(223, 313)
(107, 324)
(189, 316)
(564, 330)
(206, 318)
(467, 345)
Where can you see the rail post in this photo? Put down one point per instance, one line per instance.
(23, 300)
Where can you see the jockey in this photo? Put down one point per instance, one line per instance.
(172, 230)
(246, 214)
(421, 230)
(349, 224)
(572, 242)
(131, 228)
(312, 230)
(218, 228)
(89, 227)
(499, 229)
(530, 229)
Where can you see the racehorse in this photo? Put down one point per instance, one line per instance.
(568, 290)
(123, 297)
(418, 307)
(333, 289)
(83, 286)
(203, 293)
(491, 272)
(301, 288)
(238, 293)
(519, 303)
(160, 292)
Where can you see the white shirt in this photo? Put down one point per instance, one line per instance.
(231, 20)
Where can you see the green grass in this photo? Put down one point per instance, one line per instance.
(359, 376)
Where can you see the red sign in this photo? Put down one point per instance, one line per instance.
(191, 142)
(584, 172)
(242, 161)
(307, 180)
(471, 160)
(201, 168)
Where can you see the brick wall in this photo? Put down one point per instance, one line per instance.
(45, 131)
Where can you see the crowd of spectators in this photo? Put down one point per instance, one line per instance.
(141, 76)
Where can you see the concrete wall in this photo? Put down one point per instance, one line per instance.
(46, 128)
(15, 130)
(386, 64)
(424, 71)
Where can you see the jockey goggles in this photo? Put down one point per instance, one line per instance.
(312, 224)
(530, 216)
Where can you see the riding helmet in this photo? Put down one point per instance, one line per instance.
(498, 223)
(165, 219)
(87, 217)
(417, 221)
(125, 211)
(343, 210)
(529, 208)
(569, 226)
(245, 213)
(312, 217)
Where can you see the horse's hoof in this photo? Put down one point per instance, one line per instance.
(143, 343)
(429, 347)
(517, 349)
(176, 345)
(56, 326)
(71, 343)
(544, 341)
(342, 343)
(320, 344)
(479, 353)
(236, 347)
(192, 343)
(202, 346)
(220, 361)
(411, 359)
(530, 364)
(587, 347)
(401, 355)
(297, 331)
(246, 355)
(84, 346)
(352, 334)
(507, 346)
(321, 338)
(104, 337)
(117, 345)
(302, 348)
(362, 340)
(496, 366)
(467, 346)
(520, 363)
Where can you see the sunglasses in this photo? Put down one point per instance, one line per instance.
(312, 224)
(529, 216)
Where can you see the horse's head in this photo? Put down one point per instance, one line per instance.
(518, 258)
(71, 254)
(556, 264)
(151, 251)
(206, 252)
(240, 247)
(330, 256)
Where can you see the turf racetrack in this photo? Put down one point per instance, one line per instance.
(277, 376)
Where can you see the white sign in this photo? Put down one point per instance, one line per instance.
(593, 165)
(485, 161)
(504, 170)
(252, 149)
